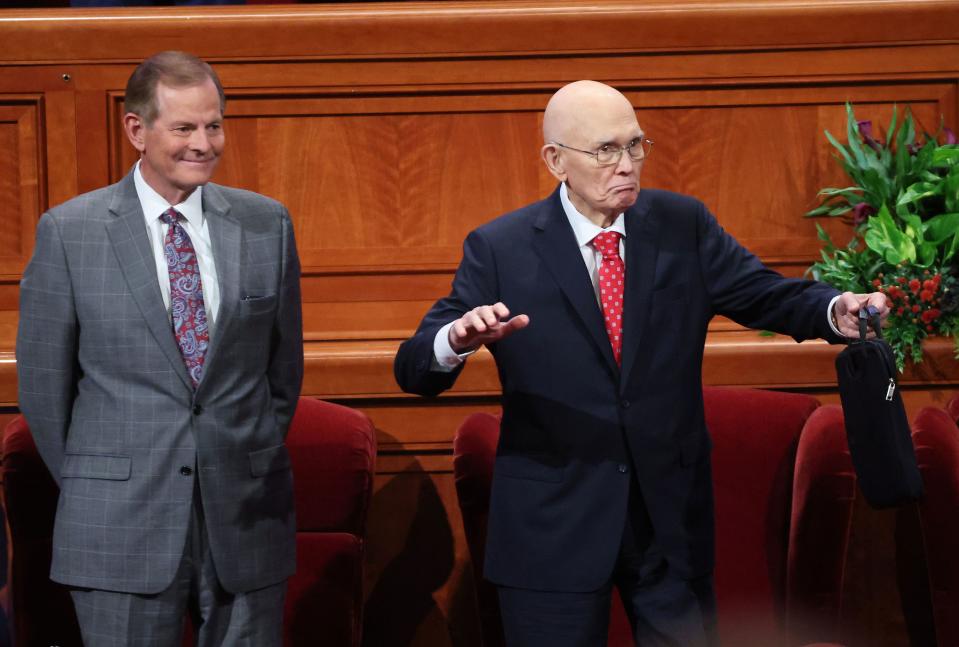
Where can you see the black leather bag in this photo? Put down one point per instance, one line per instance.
(876, 426)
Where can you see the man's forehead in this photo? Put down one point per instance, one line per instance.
(599, 129)
(171, 98)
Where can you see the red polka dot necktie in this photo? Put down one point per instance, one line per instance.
(612, 281)
(186, 295)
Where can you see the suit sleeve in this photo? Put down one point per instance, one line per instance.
(47, 365)
(474, 285)
(285, 372)
(753, 295)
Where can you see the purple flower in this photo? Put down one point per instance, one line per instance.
(865, 131)
(950, 136)
(861, 213)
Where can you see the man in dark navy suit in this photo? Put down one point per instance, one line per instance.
(602, 473)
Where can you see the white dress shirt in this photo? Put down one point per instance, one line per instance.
(197, 229)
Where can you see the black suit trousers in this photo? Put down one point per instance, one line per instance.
(664, 609)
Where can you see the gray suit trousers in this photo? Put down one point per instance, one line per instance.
(219, 618)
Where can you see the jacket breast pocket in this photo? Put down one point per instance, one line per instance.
(96, 466)
(271, 459)
(529, 467)
(671, 296)
(253, 305)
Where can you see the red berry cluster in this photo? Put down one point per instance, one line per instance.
(915, 298)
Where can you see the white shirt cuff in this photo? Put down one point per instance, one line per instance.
(445, 359)
(832, 304)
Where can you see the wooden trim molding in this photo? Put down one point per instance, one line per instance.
(449, 29)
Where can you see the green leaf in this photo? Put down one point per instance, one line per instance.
(939, 228)
(839, 147)
(946, 155)
(904, 137)
(875, 185)
(950, 189)
(892, 127)
(849, 191)
(887, 240)
(943, 231)
(854, 143)
(925, 254)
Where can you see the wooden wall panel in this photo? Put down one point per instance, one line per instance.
(390, 131)
(21, 192)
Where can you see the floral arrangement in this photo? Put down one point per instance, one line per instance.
(904, 212)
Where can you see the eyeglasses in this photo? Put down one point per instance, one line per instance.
(610, 154)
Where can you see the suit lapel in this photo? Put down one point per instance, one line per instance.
(226, 237)
(642, 233)
(555, 244)
(128, 236)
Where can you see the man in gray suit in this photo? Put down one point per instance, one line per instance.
(160, 356)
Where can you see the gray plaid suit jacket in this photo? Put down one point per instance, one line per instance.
(108, 399)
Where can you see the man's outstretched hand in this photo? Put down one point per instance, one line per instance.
(484, 325)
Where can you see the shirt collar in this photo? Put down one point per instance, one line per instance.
(154, 204)
(585, 229)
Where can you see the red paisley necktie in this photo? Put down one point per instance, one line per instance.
(186, 295)
(612, 281)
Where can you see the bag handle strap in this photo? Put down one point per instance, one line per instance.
(869, 315)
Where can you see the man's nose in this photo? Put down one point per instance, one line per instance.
(625, 165)
(199, 140)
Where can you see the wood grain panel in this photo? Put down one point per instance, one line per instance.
(372, 187)
(21, 195)
(428, 29)
(381, 190)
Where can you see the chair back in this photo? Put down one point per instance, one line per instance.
(824, 494)
(952, 408)
(474, 451)
(42, 611)
(936, 438)
(333, 452)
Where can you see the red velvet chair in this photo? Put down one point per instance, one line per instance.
(823, 497)
(952, 408)
(936, 438)
(783, 505)
(332, 449)
(41, 610)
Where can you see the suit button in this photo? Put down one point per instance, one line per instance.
(623, 469)
(197, 409)
(186, 470)
(624, 404)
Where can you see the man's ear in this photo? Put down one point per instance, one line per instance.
(554, 161)
(134, 126)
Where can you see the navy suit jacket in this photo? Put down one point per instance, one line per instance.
(574, 424)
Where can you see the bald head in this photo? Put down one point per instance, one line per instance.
(582, 119)
(577, 107)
